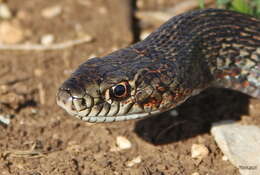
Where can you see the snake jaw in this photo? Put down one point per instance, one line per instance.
(101, 119)
(98, 109)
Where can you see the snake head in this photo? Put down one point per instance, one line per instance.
(114, 88)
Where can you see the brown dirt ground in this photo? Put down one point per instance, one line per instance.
(43, 140)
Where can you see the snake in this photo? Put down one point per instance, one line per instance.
(184, 56)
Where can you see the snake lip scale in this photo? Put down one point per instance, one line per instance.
(184, 56)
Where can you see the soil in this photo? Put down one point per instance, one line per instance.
(42, 139)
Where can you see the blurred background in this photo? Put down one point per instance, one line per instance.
(43, 41)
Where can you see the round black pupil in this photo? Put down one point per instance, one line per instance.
(119, 90)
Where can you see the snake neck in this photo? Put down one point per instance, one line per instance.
(214, 46)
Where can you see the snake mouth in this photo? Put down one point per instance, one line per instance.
(107, 119)
(87, 109)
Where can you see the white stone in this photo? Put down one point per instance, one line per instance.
(199, 151)
(240, 144)
(51, 12)
(47, 39)
(196, 173)
(123, 143)
(145, 34)
(174, 113)
(136, 160)
(225, 158)
(5, 12)
(5, 119)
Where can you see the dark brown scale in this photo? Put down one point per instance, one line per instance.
(186, 55)
(202, 36)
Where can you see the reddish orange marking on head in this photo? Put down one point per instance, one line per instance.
(245, 84)
(160, 88)
(225, 73)
(152, 103)
(155, 71)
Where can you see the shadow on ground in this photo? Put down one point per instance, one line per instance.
(194, 117)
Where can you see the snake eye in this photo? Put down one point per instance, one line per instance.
(120, 90)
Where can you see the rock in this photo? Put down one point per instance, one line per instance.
(47, 39)
(51, 12)
(196, 173)
(199, 151)
(224, 158)
(123, 143)
(174, 113)
(144, 34)
(5, 12)
(3, 89)
(140, 4)
(10, 33)
(136, 160)
(240, 144)
(5, 119)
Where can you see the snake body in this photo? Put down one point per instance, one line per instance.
(186, 55)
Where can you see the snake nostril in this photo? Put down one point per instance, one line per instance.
(64, 99)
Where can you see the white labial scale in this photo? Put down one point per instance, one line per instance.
(124, 108)
(89, 101)
(96, 119)
(113, 109)
(105, 109)
(84, 112)
(95, 110)
(93, 119)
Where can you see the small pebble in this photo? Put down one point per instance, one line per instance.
(10, 33)
(140, 4)
(144, 35)
(199, 151)
(225, 158)
(174, 113)
(68, 71)
(47, 39)
(34, 111)
(114, 48)
(196, 173)
(5, 119)
(5, 12)
(92, 55)
(51, 12)
(74, 147)
(123, 143)
(136, 160)
(3, 89)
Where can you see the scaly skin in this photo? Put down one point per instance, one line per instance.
(186, 55)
